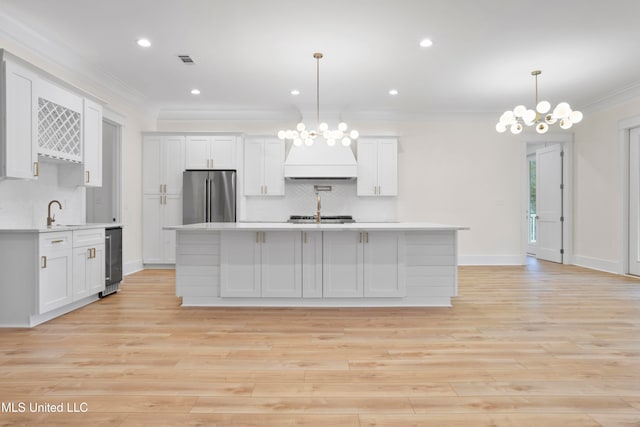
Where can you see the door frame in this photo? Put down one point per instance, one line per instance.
(118, 121)
(624, 135)
(566, 140)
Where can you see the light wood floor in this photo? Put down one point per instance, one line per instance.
(541, 345)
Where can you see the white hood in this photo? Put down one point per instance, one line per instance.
(320, 161)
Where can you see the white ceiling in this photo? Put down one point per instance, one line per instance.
(250, 54)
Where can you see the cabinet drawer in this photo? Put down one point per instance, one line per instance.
(89, 236)
(55, 240)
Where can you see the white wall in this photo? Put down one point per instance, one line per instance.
(598, 194)
(137, 121)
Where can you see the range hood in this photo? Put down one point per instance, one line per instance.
(319, 161)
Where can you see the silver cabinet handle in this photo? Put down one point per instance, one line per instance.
(57, 241)
(366, 237)
(36, 169)
(44, 262)
(88, 176)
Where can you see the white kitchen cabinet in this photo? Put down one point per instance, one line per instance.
(92, 120)
(60, 124)
(211, 152)
(342, 267)
(162, 164)
(312, 264)
(160, 210)
(55, 284)
(261, 264)
(88, 262)
(377, 167)
(263, 167)
(362, 263)
(18, 121)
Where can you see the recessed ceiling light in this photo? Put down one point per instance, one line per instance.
(144, 42)
(426, 43)
(195, 92)
(393, 92)
(295, 92)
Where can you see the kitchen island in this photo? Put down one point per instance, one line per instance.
(316, 265)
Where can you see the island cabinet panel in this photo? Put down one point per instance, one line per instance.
(342, 267)
(384, 264)
(312, 264)
(261, 264)
(198, 264)
(431, 264)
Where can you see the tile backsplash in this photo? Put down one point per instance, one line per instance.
(300, 199)
(23, 203)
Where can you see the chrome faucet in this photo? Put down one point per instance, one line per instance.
(318, 189)
(52, 219)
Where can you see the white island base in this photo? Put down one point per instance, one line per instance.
(309, 265)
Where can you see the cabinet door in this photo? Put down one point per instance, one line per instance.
(81, 261)
(173, 163)
(384, 264)
(198, 152)
(152, 242)
(92, 121)
(56, 275)
(223, 152)
(253, 167)
(171, 215)
(240, 264)
(274, 167)
(96, 270)
(152, 161)
(312, 264)
(387, 167)
(367, 183)
(281, 261)
(342, 268)
(19, 137)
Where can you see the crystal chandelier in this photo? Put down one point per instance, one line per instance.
(541, 117)
(302, 134)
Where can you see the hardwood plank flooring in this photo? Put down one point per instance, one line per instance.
(535, 345)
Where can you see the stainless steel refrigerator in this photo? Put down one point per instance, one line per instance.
(208, 196)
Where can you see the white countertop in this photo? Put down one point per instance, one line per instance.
(59, 227)
(287, 226)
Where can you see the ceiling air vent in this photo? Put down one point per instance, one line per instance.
(186, 59)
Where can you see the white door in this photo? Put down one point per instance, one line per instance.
(549, 203)
(274, 167)
(281, 258)
(223, 152)
(388, 167)
(253, 167)
(152, 165)
(312, 264)
(367, 182)
(173, 163)
(152, 245)
(198, 151)
(92, 122)
(342, 267)
(382, 265)
(634, 202)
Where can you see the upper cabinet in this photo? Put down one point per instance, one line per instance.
(163, 164)
(59, 122)
(263, 167)
(377, 167)
(18, 124)
(92, 122)
(42, 115)
(211, 152)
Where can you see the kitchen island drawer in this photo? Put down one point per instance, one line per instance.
(89, 236)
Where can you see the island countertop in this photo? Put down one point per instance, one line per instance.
(287, 226)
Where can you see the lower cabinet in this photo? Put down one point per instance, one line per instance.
(160, 210)
(55, 284)
(362, 264)
(312, 264)
(88, 263)
(261, 264)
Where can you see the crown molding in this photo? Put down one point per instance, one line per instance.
(226, 114)
(614, 99)
(64, 57)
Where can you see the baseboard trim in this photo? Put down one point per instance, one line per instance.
(133, 267)
(490, 260)
(596, 264)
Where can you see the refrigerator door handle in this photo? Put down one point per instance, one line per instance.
(207, 207)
